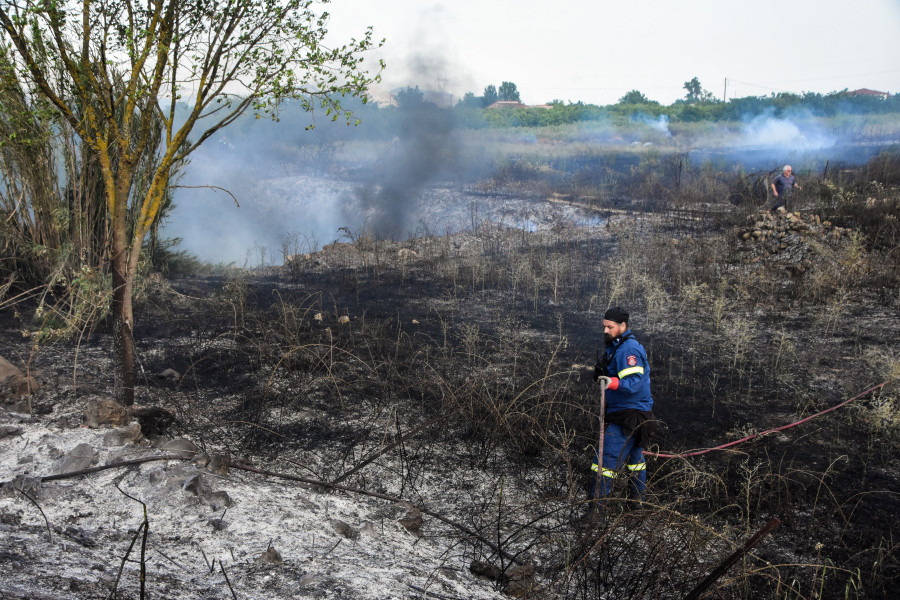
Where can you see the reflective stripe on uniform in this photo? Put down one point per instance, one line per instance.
(631, 371)
(637, 467)
(606, 472)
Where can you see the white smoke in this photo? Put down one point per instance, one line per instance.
(264, 207)
(795, 131)
(660, 124)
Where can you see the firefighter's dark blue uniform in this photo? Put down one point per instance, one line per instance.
(629, 390)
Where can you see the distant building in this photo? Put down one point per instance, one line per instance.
(382, 97)
(868, 92)
(507, 104)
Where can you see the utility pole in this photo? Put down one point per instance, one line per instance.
(725, 91)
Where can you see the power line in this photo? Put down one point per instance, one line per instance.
(606, 89)
(765, 85)
(838, 76)
(794, 81)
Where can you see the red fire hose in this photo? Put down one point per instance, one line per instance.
(750, 437)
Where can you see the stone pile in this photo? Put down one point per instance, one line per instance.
(789, 238)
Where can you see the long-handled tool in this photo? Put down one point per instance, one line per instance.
(603, 382)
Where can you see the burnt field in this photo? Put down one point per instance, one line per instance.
(453, 372)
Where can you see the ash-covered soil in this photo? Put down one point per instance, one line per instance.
(415, 420)
(213, 528)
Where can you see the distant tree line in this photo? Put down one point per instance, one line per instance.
(508, 92)
(698, 104)
(412, 105)
(412, 112)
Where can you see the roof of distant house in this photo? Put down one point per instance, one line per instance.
(507, 104)
(868, 92)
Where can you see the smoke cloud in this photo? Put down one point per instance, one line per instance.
(424, 151)
(275, 173)
(796, 131)
(298, 190)
(660, 124)
(401, 170)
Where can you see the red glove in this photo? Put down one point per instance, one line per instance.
(613, 383)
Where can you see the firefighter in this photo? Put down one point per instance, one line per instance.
(629, 419)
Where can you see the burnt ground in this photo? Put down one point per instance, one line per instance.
(452, 372)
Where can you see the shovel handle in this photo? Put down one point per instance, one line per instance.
(602, 438)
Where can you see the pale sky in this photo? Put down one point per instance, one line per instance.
(596, 51)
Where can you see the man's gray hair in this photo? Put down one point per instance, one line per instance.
(787, 168)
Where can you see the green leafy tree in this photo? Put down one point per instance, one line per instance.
(54, 197)
(634, 97)
(490, 95)
(696, 93)
(470, 100)
(29, 196)
(509, 92)
(127, 63)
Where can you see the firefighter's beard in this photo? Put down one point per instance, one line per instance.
(609, 339)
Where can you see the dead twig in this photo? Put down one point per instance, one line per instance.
(222, 567)
(397, 441)
(115, 465)
(112, 593)
(33, 501)
(330, 550)
(143, 562)
(170, 559)
(597, 544)
(721, 569)
(212, 187)
(206, 560)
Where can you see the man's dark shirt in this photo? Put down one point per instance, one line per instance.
(783, 185)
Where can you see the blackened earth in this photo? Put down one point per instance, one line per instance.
(452, 373)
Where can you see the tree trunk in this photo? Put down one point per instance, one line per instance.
(123, 354)
(123, 321)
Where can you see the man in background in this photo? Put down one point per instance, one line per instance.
(782, 187)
